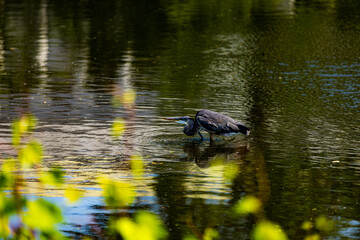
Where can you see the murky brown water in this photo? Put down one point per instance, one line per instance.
(290, 70)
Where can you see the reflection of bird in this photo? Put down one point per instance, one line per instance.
(213, 122)
(204, 156)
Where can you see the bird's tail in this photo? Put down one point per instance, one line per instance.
(243, 129)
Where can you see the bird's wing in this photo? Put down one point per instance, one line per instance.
(207, 124)
(216, 123)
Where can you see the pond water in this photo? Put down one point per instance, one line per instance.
(290, 70)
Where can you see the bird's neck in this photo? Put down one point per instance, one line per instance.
(192, 128)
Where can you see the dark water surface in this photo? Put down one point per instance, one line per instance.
(290, 70)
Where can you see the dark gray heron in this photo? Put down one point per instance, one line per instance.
(213, 122)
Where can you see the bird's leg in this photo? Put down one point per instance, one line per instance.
(202, 138)
(211, 137)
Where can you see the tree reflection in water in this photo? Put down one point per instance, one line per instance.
(203, 196)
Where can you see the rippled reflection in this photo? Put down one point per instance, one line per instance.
(287, 69)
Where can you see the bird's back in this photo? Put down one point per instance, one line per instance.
(218, 123)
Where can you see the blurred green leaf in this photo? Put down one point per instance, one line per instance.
(137, 165)
(42, 215)
(124, 97)
(6, 175)
(4, 227)
(6, 180)
(126, 228)
(324, 224)
(117, 194)
(217, 161)
(118, 127)
(7, 205)
(231, 171)
(31, 154)
(247, 205)
(73, 194)
(128, 96)
(314, 236)
(268, 231)
(116, 102)
(9, 165)
(53, 177)
(190, 237)
(22, 126)
(147, 226)
(16, 138)
(152, 224)
(210, 234)
(307, 225)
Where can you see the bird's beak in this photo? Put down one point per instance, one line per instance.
(172, 119)
(177, 119)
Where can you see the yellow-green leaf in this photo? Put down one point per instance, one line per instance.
(9, 165)
(127, 228)
(247, 205)
(268, 231)
(116, 102)
(137, 165)
(7, 205)
(314, 236)
(147, 226)
(22, 126)
(53, 177)
(307, 225)
(152, 224)
(128, 96)
(4, 227)
(117, 194)
(217, 161)
(190, 237)
(231, 171)
(324, 224)
(73, 194)
(118, 127)
(210, 234)
(7, 173)
(31, 154)
(42, 215)
(6, 180)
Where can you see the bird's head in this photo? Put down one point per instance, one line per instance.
(182, 120)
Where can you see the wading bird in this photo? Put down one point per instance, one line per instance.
(213, 122)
